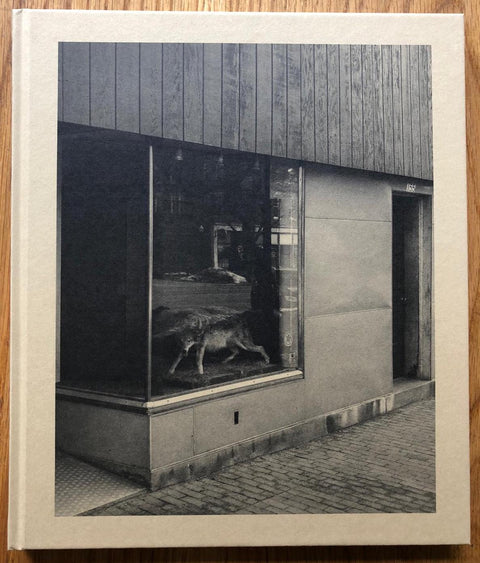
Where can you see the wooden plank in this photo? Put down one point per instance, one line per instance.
(321, 103)
(425, 111)
(172, 85)
(368, 104)
(151, 110)
(248, 85)
(60, 83)
(407, 111)
(193, 92)
(415, 105)
(422, 93)
(294, 119)
(230, 95)
(212, 94)
(430, 116)
(102, 85)
(357, 106)
(378, 130)
(333, 103)
(345, 106)
(397, 111)
(308, 102)
(128, 87)
(279, 100)
(264, 99)
(76, 83)
(388, 109)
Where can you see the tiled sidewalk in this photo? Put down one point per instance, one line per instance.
(383, 465)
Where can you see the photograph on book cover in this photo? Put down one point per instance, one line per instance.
(243, 278)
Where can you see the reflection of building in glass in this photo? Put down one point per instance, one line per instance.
(232, 225)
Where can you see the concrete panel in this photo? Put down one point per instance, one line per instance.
(171, 437)
(100, 433)
(336, 193)
(347, 265)
(258, 412)
(348, 359)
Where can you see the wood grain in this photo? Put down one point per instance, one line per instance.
(151, 75)
(102, 85)
(279, 101)
(388, 105)
(230, 101)
(212, 95)
(264, 99)
(120, 96)
(173, 90)
(127, 86)
(321, 101)
(410, 553)
(193, 98)
(248, 80)
(378, 112)
(294, 124)
(76, 83)
(357, 106)
(308, 101)
(333, 104)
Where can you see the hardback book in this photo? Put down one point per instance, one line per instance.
(239, 280)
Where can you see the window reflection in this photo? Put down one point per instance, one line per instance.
(225, 287)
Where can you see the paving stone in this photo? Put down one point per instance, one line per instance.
(383, 465)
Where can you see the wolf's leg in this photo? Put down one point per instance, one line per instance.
(234, 353)
(251, 347)
(173, 367)
(200, 354)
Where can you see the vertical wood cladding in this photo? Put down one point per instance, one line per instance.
(366, 107)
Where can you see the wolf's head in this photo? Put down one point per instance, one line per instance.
(187, 341)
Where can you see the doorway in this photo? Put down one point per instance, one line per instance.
(411, 286)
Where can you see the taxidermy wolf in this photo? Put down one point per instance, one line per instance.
(208, 329)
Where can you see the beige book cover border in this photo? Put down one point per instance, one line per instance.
(31, 520)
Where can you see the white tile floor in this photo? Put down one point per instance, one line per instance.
(80, 486)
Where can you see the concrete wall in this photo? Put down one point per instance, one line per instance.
(103, 434)
(207, 426)
(348, 312)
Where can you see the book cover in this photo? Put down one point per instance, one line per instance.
(239, 280)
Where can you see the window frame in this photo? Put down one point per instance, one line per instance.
(256, 380)
(177, 399)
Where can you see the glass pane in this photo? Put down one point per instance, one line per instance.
(225, 287)
(104, 257)
(284, 198)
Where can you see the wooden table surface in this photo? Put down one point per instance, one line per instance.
(411, 553)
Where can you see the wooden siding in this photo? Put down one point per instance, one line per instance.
(360, 106)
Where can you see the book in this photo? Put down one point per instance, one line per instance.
(239, 280)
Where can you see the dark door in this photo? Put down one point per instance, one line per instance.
(405, 285)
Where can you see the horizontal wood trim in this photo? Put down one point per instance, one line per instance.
(361, 106)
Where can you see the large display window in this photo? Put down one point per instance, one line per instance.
(180, 265)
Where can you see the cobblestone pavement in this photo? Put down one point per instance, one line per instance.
(383, 465)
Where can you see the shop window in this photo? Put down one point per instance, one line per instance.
(225, 270)
(179, 265)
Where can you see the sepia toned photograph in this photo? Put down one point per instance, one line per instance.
(244, 258)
